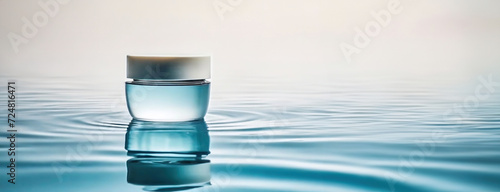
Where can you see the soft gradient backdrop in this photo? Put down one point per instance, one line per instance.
(255, 37)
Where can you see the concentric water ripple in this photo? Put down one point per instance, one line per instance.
(269, 135)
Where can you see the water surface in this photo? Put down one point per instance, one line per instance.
(262, 134)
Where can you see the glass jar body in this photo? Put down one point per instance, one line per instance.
(170, 101)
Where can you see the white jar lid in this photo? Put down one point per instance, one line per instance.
(168, 67)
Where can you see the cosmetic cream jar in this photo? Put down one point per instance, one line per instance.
(168, 88)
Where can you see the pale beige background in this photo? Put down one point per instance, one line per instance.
(256, 38)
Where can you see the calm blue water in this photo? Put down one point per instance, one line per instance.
(263, 134)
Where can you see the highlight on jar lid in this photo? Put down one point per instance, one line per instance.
(168, 67)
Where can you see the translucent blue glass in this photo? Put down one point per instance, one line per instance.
(167, 138)
(168, 156)
(156, 100)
